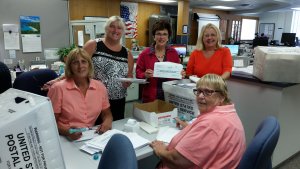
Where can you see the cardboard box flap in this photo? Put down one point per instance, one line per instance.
(157, 106)
(156, 113)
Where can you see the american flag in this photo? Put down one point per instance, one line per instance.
(129, 15)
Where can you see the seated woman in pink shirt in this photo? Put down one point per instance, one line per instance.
(78, 100)
(216, 139)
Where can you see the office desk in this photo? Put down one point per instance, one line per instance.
(76, 159)
(255, 100)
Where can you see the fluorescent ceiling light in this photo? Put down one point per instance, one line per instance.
(296, 9)
(161, 1)
(222, 7)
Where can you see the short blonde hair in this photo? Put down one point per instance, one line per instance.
(112, 19)
(73, 55)
(217, 83)
(200, 45)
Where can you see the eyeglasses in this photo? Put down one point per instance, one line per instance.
(162, 34)
(205, 92)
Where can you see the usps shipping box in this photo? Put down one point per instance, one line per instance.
(28, 132)
(157, 113)
(277, 64)
(180, 93)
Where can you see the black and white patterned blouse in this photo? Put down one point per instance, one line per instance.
(109, 65)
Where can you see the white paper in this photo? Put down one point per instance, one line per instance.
(88, 149)
(132, 80)
(12, 54)
(51, 53)
(147, 127)
(89, 29)
(238, 63)
(248, 69)
(80, 38)
(8, 61)
(31, 43)
(87, 135)
(11, 40)
(166, 134)
(194, 78)
(99, 142)
(167, 70)
(11, 28)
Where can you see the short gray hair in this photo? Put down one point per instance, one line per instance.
(217, 83)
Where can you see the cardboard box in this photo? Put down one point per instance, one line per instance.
(180, 93)
(157, 113)
(28, 132)
(277, 64)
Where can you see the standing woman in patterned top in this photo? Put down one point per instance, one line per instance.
(111, 61)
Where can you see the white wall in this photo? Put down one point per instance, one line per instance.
(282, 20)
(54, 22)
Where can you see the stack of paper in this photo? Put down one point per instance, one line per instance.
(98, 143)
(87, 135)
(166, 133)
(147, 127)
(132, 80)
(194, 78)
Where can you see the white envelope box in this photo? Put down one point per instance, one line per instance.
(277, 64)
(180, 93)
(157, 113)
(28, 132)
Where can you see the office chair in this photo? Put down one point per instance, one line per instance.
(121, 150)
(259, 151)
(33, 80)
(5, 78)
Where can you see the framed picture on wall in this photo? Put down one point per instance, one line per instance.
(184, 29)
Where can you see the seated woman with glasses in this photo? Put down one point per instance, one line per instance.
(216, 139)
(160, 51)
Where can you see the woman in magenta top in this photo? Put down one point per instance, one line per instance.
(209, 56)
(158, 52)
(78, 100)
(216, 139)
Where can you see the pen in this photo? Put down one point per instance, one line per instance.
(180, 117)
(75, 130)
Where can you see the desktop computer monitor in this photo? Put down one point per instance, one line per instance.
(288, 39)
(180, 48)
(234, 49)
(260, 41)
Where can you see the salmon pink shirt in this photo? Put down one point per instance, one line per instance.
(75, 109)
(215, 140)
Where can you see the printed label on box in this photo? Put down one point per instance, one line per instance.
(164, 120)
(186, 107)
(22, 147)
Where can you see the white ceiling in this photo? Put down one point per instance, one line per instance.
(243, 6)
